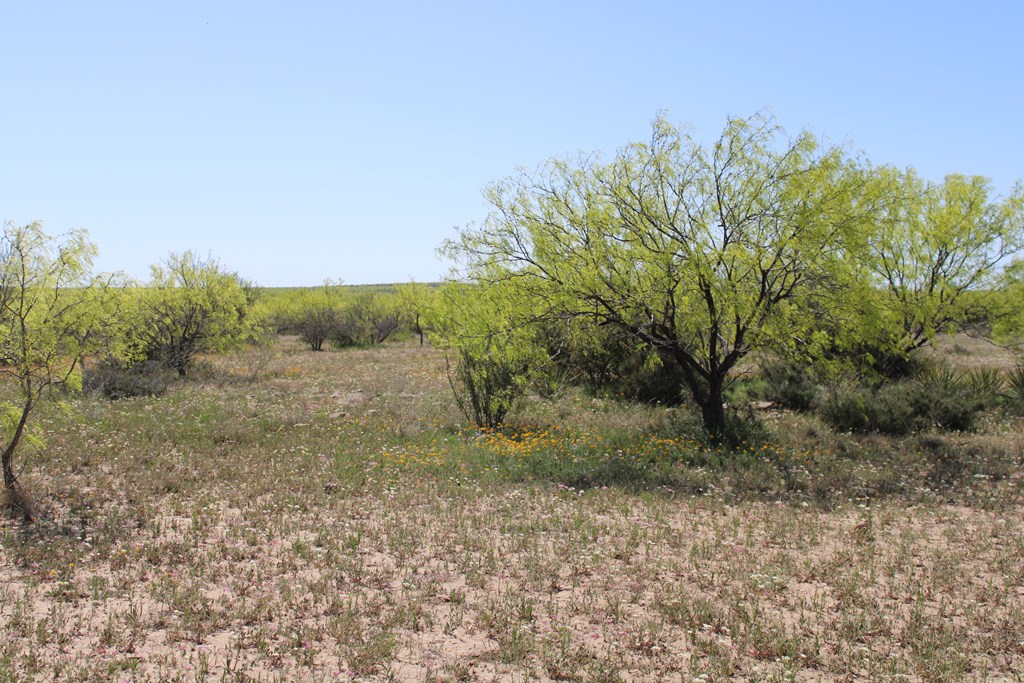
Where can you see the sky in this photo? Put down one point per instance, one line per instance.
(300, 141)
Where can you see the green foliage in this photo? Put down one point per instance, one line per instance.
(352, 315)
(193, 306)
(609, 361)
(861, 409)
(1007, 314)
(53, 312)
(488, 384)
(1015, 386)
(985, 383)
(940, 399)
(789, 384)
(317, 314)
(493, 358)
(418, 303)
(703, 253)
(934, 253)
(368, 319)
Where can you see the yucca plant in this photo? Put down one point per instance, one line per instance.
(985, 384)
(1015, 384)
(943, 376)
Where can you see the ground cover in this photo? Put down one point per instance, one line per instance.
(290, 515)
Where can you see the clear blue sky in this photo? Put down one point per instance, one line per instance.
(303, 140)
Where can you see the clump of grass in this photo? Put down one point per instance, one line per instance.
(18, 502)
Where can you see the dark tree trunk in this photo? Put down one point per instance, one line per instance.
(419, 329)
(706, 389)
(712, 410)
(11, 481)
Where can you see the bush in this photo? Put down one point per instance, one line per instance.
(986, 384)
(940, 399)
(193, 306)
(370, 319)
(790, 385)
(747, 389)
(1015, 387)
(487, 386)
(316, 324)
(115, 381)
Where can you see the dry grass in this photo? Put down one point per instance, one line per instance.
(332, 520)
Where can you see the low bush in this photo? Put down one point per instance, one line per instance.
(939, 399)
(115, 381)
(1014, 388)
(790, 385)
(487, 386)
(985, 384)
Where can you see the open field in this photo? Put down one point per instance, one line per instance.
(290, 515)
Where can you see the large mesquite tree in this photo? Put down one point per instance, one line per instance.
(703, 252)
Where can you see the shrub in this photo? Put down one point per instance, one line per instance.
(1015, 386)
(985, 384)
(115, 381)
(940, 399)
(747, 389)
(370, 319)
(608, 361)
(315, 324)
(890, 410)
(193, 306)
(487, 386)
(790, 385)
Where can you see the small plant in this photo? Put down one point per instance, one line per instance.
(852, 408)
(1015, 385)
(487, 387)
(985, 383)
(941, 399)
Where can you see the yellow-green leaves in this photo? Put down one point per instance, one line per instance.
(191, 306)
(934, 251)
(701, 252)
(52, 314)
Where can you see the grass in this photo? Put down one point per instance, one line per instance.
(330, 517)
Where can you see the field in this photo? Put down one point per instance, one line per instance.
(290, 515)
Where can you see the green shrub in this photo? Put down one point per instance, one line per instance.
(609, 361)
(646, 377)
(1014, 389)
(747, 389)
(890, 410)
(986, 384)
(487, 387)
(940, 399)
(790, 385)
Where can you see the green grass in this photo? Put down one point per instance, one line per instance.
(330, 517)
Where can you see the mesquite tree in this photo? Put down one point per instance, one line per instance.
(703, 252)
(53, 312)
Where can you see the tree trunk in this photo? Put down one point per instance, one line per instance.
(11, 481)
(712, 410)
(706, 390)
